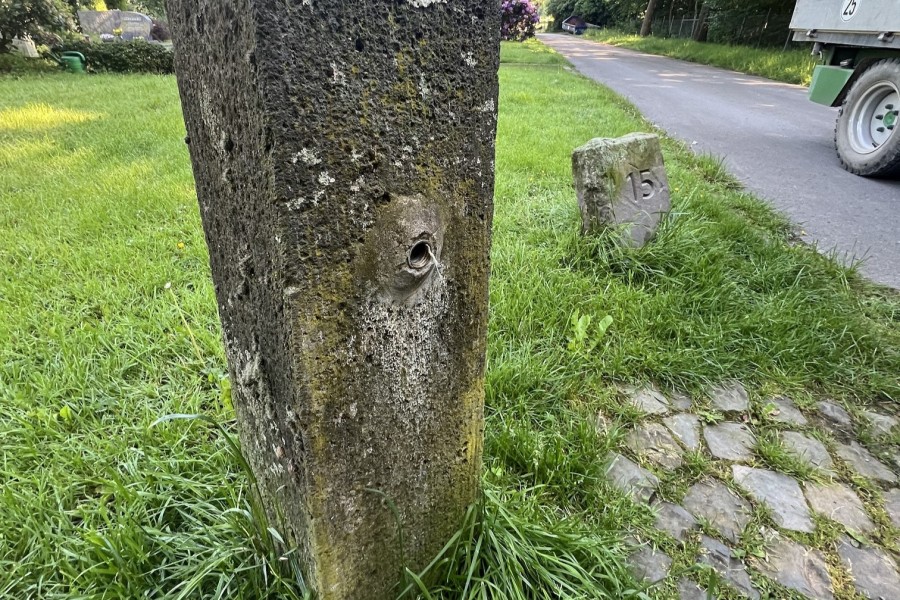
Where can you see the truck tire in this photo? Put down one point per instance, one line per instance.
(867, 133)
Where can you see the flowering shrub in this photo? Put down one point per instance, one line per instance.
(517, 20)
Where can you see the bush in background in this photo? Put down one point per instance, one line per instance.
(122, 57)
(13, 62)
(518, 19)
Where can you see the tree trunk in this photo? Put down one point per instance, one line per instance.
(343, 154)
(701, 27)
(647, 25)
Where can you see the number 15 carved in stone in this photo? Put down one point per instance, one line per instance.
(622, 183)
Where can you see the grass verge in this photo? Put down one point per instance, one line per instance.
(791, 66)
(108, 321)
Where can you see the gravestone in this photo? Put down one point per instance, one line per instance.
(621, 183)
(134, 25)
(25, 47)
(344, 154)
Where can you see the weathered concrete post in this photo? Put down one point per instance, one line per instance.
(343, 153)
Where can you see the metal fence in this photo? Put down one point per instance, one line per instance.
(763, 30)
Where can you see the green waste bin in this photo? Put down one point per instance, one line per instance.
(73, 62)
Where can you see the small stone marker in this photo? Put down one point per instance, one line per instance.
(874, 572)
(730, 441)
(723, 510)
(798, 568)
(622, 183)
(860, 460)
(779, 493)
(717, 555)
(343, 154)
(838, 502)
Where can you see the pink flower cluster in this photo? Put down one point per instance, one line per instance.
(517, 20)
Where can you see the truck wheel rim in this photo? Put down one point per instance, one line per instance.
(874, 118)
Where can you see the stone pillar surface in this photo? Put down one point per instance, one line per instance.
(343, 153)
(622, 183)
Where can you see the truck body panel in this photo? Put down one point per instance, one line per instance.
(847, 16)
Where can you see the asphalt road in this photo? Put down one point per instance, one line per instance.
(778, 143)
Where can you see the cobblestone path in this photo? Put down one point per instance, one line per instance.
(762, 498)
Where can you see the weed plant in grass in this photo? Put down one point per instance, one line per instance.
(108, 321)
(792, 66)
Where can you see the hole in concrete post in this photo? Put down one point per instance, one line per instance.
(419, 255)
(360, 45)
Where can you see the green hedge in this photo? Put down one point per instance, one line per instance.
(122, 57)
(15, 63)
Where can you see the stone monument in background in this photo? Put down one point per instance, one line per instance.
(344, 160)
(133, 25)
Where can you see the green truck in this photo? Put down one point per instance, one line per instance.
(858, 42)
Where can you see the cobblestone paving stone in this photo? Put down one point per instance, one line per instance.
(892, 506)
(725, 512)
(717, 555)
(649, 401)
(730, 441)
(686, 428)
(649, 565)
(881, 425)
(811, 451)
(861, 461)
(798, 568)
(874, 572)
(656, 444)
(838, 503)
(783, 410)
(835, 414)
(729, 397)
(709, 506)
(779, 493)
(688, 590)
(674, 520)
(680, 401)
(632, 479)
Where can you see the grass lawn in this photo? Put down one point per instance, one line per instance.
(793, 66)
(108, 321)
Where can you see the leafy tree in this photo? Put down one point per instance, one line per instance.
(154, 8)
(35, 18)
